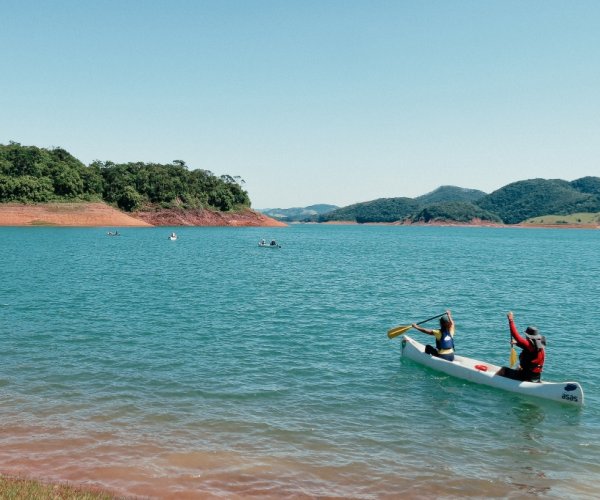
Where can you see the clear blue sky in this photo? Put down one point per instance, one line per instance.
(311, 101)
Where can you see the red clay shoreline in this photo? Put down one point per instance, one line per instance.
(103, 215)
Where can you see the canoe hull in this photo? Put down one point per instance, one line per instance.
(485, 373)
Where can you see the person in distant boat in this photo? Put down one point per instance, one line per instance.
(444, 338)
(532, 357)
(273, 243)
(262, 243)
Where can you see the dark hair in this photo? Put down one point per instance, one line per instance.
(444, 320)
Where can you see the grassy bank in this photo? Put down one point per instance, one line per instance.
(21, 489)
(573, 219)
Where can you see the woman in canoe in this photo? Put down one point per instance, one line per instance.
(532, 357)
(444, 338)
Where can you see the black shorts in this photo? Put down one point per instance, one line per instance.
(522, 375)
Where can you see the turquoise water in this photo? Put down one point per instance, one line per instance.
(211, 367)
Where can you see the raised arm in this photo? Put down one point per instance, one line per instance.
(451, 321)
(521, 342)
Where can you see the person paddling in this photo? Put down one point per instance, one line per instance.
(532, 357)
(444, 338)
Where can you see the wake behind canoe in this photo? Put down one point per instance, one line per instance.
(485, 373)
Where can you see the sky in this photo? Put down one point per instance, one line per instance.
(311, 101)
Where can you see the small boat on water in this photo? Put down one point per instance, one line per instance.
(485, 373)
(172, 236)
(273, 244)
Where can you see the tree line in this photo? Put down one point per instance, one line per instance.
(29, 174)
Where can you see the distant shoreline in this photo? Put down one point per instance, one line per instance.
(100, 214)
(464, 224)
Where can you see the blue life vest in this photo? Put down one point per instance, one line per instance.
(446, 341)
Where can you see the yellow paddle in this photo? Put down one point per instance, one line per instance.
(399, 330)
(513, 354)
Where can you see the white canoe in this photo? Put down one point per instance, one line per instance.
(485, 373)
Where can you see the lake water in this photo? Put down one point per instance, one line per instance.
(209, 367)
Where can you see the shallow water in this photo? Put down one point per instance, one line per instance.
(208, 366)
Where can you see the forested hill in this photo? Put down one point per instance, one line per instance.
(510, 204)
(523, 200)
(29, 174)
(445, 194)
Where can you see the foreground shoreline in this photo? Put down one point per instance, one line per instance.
(26, 487)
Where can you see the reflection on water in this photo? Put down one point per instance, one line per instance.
(530, 416)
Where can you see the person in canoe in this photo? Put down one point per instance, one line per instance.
(444, 338)
(533, 353)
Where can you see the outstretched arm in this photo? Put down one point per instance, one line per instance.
(421, 329)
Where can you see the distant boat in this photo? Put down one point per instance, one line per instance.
(116, 233)
(264, 244)
(172, 236)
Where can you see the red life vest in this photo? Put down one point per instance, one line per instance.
(532, 361)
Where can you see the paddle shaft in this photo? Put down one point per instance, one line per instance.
(426, 320)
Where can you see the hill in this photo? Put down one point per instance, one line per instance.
(381, 210)
(450, 193)
(456, 211)
(298, 214)
(51, 187)
(29, 174)
(510, 204)
(523, 200)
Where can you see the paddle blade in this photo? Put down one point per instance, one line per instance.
(399, 330)
(513, 357)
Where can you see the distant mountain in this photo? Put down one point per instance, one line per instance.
(523, 200)
(456, 211)
(396, 209)
(510, 204)
(298, 214)
(381, 210)
(450, 193)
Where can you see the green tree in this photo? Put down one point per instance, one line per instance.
(129, 199)
(67, 181)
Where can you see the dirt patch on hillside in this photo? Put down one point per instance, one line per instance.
(65, 214)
